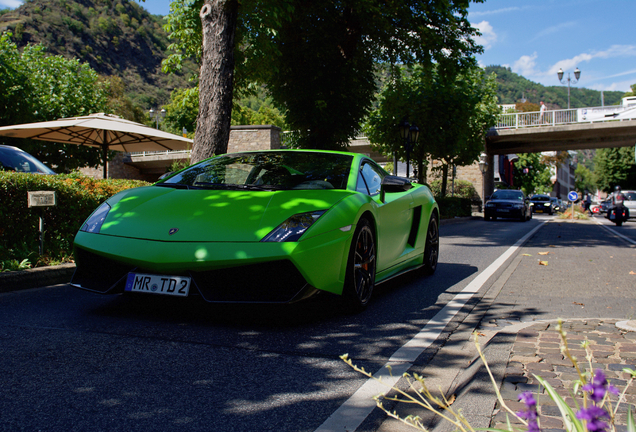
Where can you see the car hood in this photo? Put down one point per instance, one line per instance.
(166, 214)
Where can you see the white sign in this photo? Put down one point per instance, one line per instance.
(41, 199)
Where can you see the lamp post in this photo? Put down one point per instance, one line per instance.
(577, 75)
(483, 167)
(157, 116)
(410, 134)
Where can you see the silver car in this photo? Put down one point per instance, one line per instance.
(630, 202)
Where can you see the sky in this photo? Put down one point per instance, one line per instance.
(537, 37)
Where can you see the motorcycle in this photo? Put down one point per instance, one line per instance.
(618, 213)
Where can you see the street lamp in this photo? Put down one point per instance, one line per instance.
(157, 116)
(483, 167)
(410, 134)
(577, 75)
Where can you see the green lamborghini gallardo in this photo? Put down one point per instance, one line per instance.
(269, 226)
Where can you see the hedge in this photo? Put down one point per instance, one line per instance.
(451, 207)
(461, 204)
(76, 196)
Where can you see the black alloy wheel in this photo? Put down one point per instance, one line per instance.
(431, 249)
(360, 278)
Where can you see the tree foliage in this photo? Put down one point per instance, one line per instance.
(40, 88)
(453, 108)
(318, 58)
(532, 174)
(615, 167)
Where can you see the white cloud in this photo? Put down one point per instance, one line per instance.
(612, 52)
(12, 4)
(526, 65)
(488, 35)
(494, 12)
(553, 29)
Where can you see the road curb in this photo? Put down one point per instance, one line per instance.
(36, 277)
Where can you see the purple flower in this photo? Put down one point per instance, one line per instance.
(530, 413)
(592, 416)
(599, 386)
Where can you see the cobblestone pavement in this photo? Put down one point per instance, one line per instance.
(537, 351)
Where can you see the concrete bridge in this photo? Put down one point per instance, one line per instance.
(560, 130)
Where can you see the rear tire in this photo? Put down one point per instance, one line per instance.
(431, 249)
(361, 264)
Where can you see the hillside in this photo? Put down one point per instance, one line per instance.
(511, 88)
(115, 37)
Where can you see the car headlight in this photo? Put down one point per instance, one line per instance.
(517, 206)
(546, 205)
(490, 204)
(293, 228)
(94, 223)
(531, 204)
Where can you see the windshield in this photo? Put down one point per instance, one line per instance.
(14, 159)
(630, 196)
(540, 198)
(276, 170)
(507, 195)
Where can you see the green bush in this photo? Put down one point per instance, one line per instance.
(76, 195)
(459, 205)
(451, 207)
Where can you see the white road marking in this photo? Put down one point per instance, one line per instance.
(352, 413)
(627, 239)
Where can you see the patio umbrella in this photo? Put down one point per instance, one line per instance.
(106, 131)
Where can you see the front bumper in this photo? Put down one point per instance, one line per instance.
(221, 272)
(508, 212)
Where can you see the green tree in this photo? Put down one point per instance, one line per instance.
(47, 88)
(14, 84)
(182, 111)
(584, 179)
(453, 108)
(317, 58)
(532, 174)
(615, 167)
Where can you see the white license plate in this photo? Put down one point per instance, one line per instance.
(158, 284)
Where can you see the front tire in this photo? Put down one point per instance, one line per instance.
(361, 264)
(431, 249)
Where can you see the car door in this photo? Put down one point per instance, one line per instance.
(394, 216)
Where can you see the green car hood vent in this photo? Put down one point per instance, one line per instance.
(165, 214)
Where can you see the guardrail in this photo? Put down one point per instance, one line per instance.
(566, 116)
(159, 152)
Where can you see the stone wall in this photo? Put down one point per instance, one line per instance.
(250, 138)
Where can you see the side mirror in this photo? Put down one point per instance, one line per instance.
(394, 184)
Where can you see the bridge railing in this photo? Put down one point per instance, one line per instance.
(536, 119)
(566, 116)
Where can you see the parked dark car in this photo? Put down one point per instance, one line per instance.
(508, 204)
(15, 159)
(604, 205)
(541, 204)
(557, 204)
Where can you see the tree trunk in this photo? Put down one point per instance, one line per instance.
(444, 179)
(218, 18)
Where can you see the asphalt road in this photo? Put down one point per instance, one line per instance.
(76, 361)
